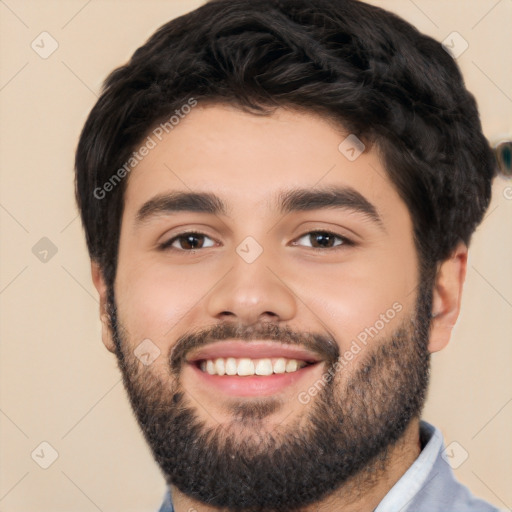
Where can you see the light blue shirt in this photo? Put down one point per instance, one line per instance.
(427, 486)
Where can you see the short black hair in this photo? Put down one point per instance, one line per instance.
(362, 66)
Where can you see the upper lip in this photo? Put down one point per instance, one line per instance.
(251, 350)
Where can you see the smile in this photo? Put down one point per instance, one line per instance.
(250, 368)
(245, 366)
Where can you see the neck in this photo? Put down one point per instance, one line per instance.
(362, 493)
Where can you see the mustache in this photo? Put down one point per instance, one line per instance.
(323, 345)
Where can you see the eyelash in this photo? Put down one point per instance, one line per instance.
(167, 246)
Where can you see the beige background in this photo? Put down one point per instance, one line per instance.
(58, 382)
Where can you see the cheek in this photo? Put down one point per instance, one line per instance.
(361, 301)
(154, 300)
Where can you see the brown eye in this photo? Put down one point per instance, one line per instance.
(187, 242)
(324, 240)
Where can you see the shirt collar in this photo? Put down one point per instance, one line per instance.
(415, 478)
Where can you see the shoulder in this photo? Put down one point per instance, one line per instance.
(440, 490)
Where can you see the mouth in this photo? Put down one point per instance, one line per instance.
(244, 366)
(251, 368)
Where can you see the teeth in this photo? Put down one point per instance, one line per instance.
(210, 367)
(231, 366)
(220, 366)
(280, 365)
(291, 365)
(245, 366)
(264, 367)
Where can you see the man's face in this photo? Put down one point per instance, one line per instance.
(280, 282)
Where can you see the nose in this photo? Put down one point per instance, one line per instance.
(253, 292)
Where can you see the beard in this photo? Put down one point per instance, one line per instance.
(341, 441)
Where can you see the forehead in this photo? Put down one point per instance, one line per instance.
(253, 161)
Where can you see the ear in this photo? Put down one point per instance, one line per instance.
(99, 283)
(447, 297)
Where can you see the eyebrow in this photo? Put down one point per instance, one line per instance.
(202, 202)
(288, 201)
(346, 198)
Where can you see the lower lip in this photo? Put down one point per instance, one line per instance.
(252, 385)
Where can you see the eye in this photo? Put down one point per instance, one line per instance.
(324, 240)
(187, 242)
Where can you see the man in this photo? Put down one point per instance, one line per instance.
(278, 198)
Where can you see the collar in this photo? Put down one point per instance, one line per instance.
(415, 478)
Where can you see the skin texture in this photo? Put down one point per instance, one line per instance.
(333, 294)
